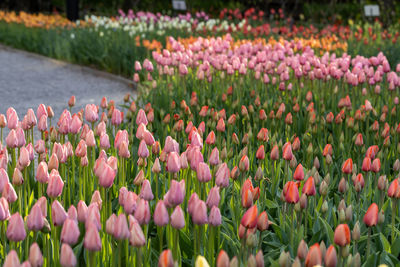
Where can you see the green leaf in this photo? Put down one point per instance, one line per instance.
(385, 243)
(31, 199)
(396, 247)
(328, 230)
(271, 204)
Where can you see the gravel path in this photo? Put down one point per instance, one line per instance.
(27, 80)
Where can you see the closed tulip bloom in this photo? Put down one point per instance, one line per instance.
(222, 259)
(35, 255)
(110, 224)
(142, 212)
(143, 152)
(130, 203)
(73, 213)
(260, 154)
(3, 121)
(177, 218)
(222, 176)
(262, 221)
(81, 149)
(359, 140)
(342, 235)
(173, 162)
(366, 165)
(244, 164)
(67, 256)
(42, 203)
(201, 262)
(23, 159)
(82, 211)
(210, 140)
(394, 189)
(53, 162)
(214, 219)
(331, 257)
(309, 187)
(121, 230)
(35, 221)
(249, 219)
(213, 197)
(199, 215)
(4, 213)
(58, 214)
(291, 192)
(92, 241)
(75, 125)
(376, 165)
(347, 167)
(16, 228)
(161, 216)
(70, 232)
(12, 118)
(166, 259)
(11, 139)
(42, 125)
(3, 179)
(56, 184)
(274, 153)
(299, 173)
(17, 178)
(141, 117)
(314, 256)
(145, 191)
(214, 157)
(9, 193)
(106, 178)
(203, 172)
(287, 153)
(371, 216)
(91, 113)
(42, 174)
(11, 259)
(136, 238)
(116, 117)
(302, 250)
(192, 203)
(175, 194)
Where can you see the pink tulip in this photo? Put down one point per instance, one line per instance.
(35, 221)
(107, 176)
(213, 197)
(11, 139)
(215, 216)
(70, 232)
(141, 117)
(123, 150)
(173, 162)
(142, 212)
(214, 157)
(177, 218)
(67, 256)
(143, 152)
(222, 176)
(16, 228)
(199, 215)
(35, 255)
(161, 216)
(82, 211)
(24, 159)
(58, 214)
(96, 199)
(9, 193)
(12, 118)
(91, 113)
(104, 141)
(145, 192)
(56, 184)
(203, 172)
(136, 238)
(92, 241)
(175, 194)
(117, 117)
(73, 213)
(42, 203)
(40, 147)
(90, 140)
(130, 204)
(81, 149)
(3, 179)
(42, 126)
(110, 224)
(121, 230)
(11, 259)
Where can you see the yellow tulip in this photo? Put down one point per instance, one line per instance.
(201, 262)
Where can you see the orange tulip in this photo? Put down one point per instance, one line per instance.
(309, 187)
(291, 192)
(314, 256)
(342, 235)
(249, 219)
(347, 166)
(371, 216)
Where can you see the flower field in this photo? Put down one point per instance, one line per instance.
(242, 149)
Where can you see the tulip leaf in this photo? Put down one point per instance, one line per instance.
(271, 204)
(396, 247)
(328, 230)
(31, 199)
(371, 261)
(385, 243)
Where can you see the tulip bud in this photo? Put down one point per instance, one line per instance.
(302, 250)
(284, 259)
(356, 232)
(349, 213)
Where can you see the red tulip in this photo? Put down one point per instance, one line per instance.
(249, 219)
(222, 259)
(314, 256)
(291, 192)
(366, 165)
(287, 151)
(309, 187)
(371, 216)
(331, 257)
(299, 173)
(376, 165)
(327, 150)
(394, 189)
(260, 154)
(347, 167)
(342, 235)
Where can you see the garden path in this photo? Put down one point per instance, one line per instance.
(27, 80)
